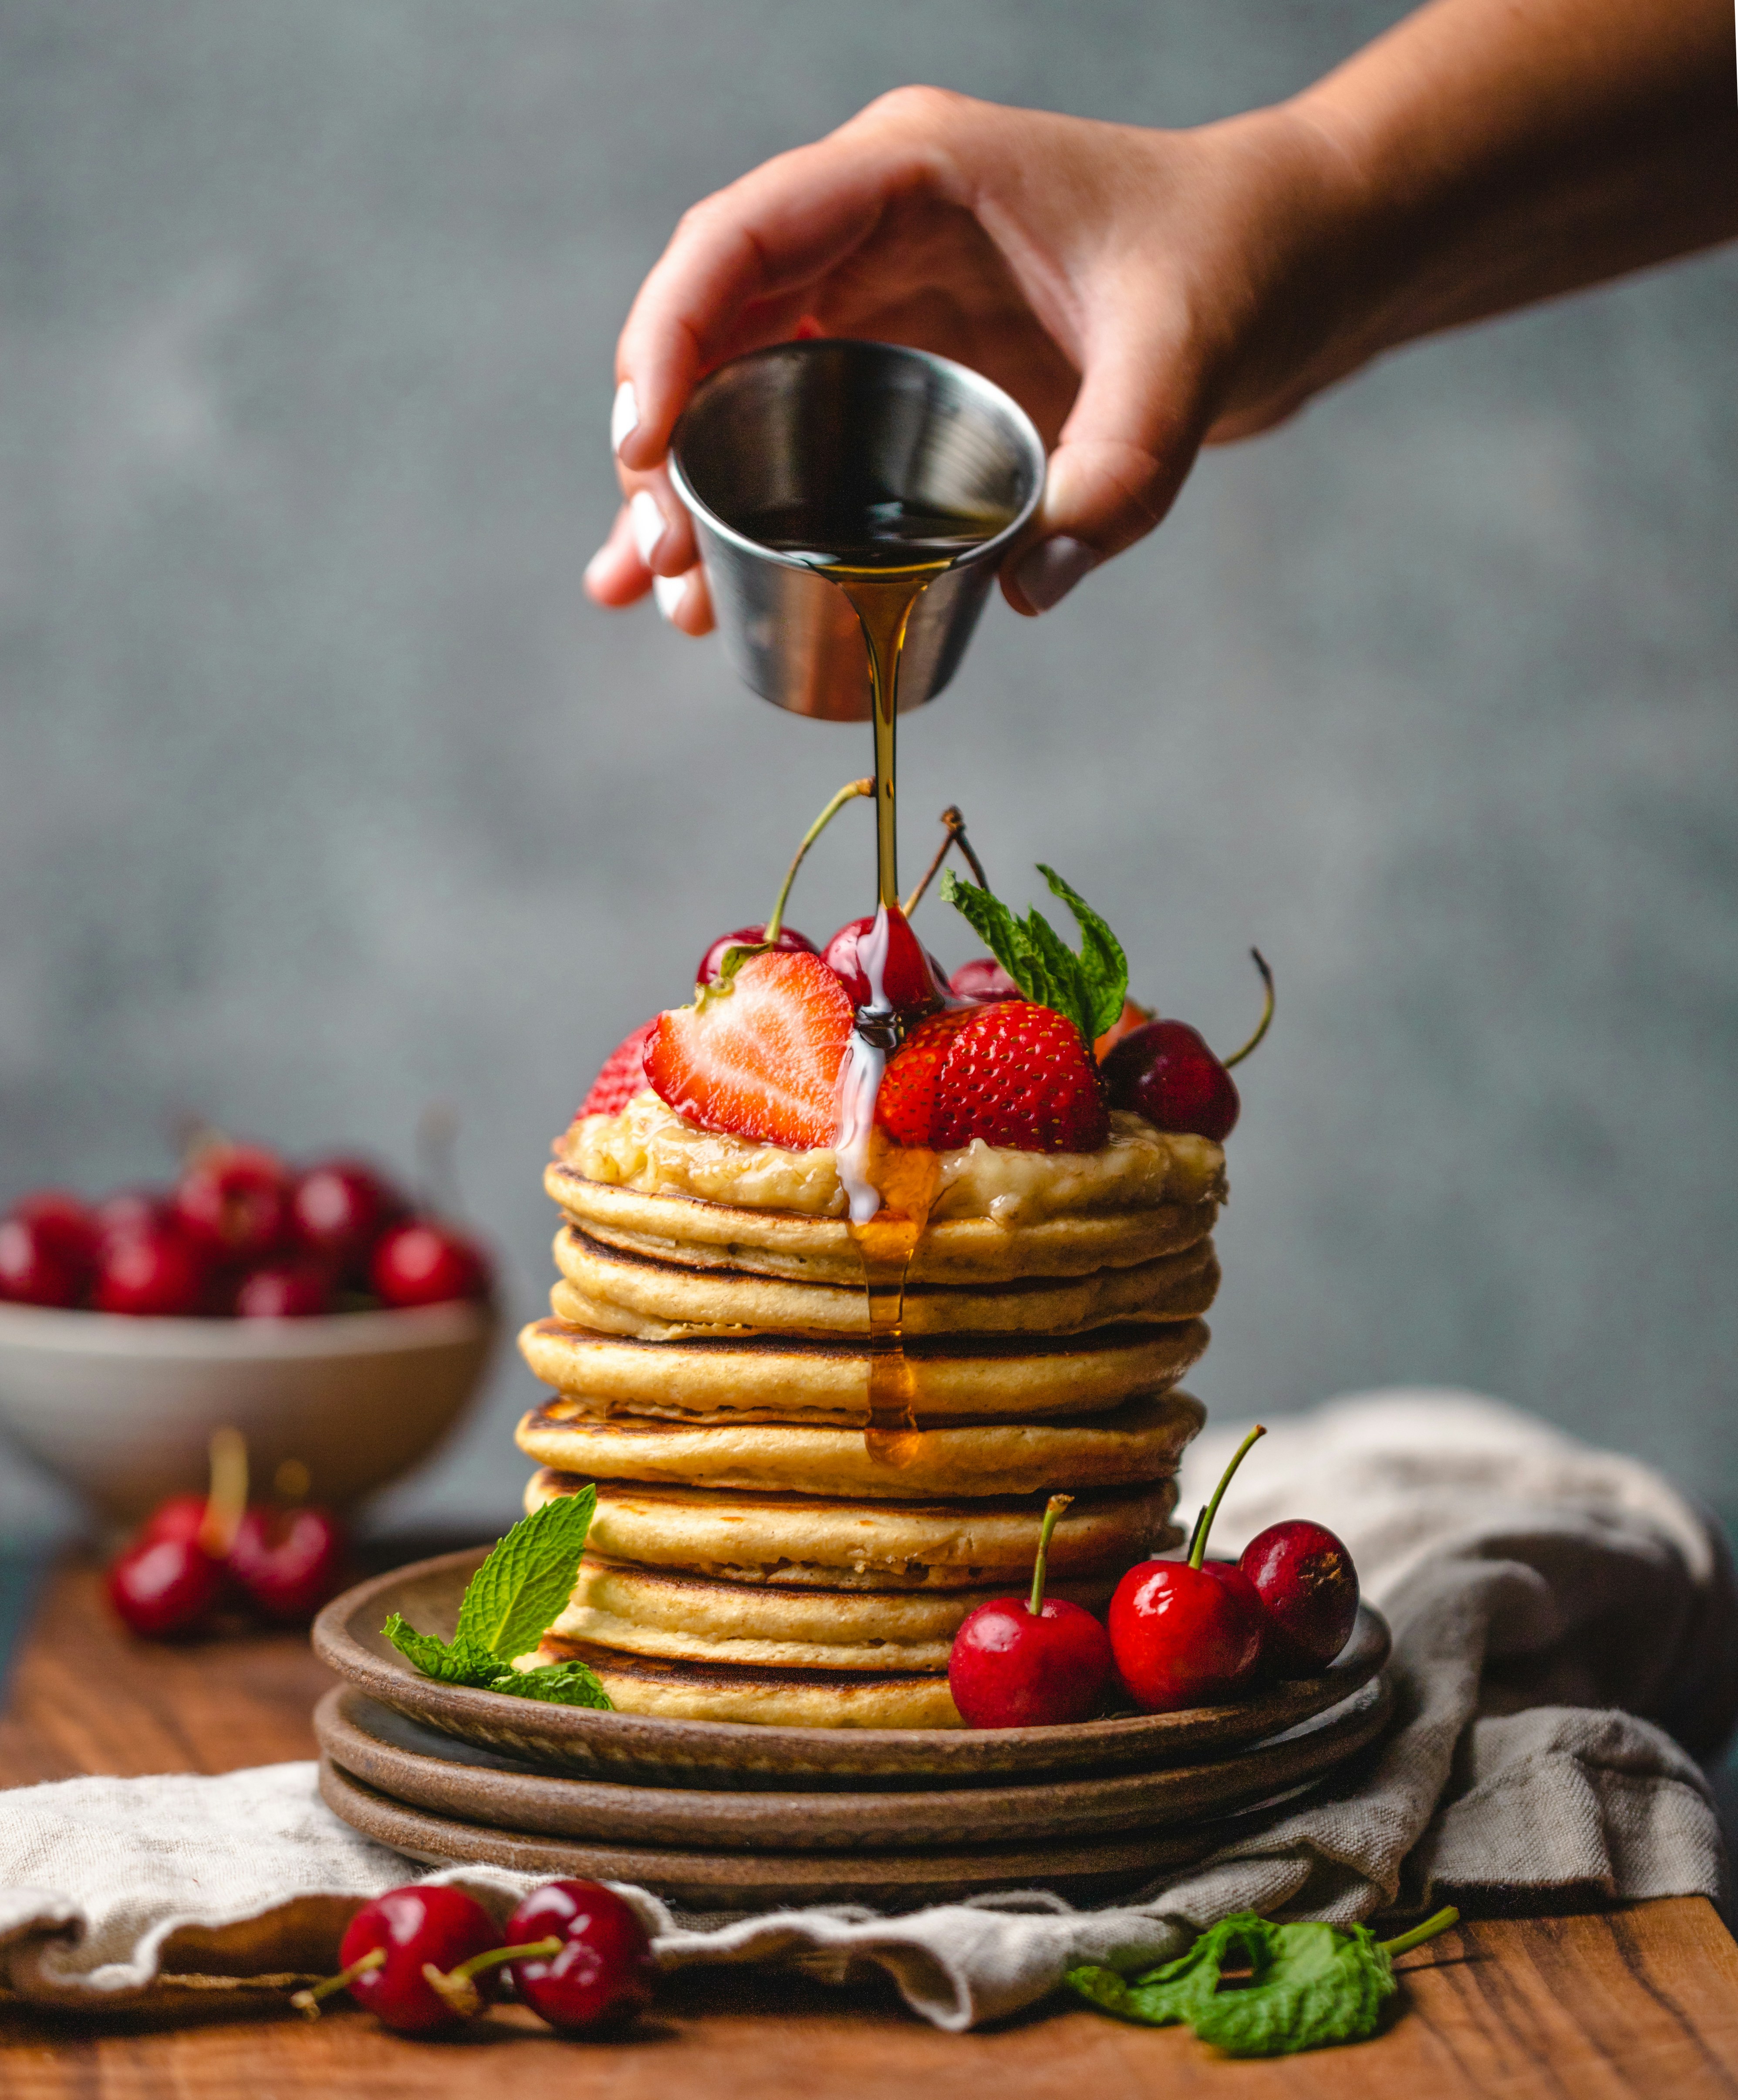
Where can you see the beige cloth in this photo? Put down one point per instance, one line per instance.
(1556, 1610)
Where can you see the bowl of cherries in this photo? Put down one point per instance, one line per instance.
(315, 1311)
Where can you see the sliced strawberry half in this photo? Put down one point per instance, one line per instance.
(623, 1075)
(1014, 1074)
(761, 1058)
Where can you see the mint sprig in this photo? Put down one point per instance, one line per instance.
(1311, 1985)
(1090, 987)
(508, 1606)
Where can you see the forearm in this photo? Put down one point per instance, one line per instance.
(1495, 152)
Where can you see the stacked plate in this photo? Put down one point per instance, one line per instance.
(731, 1816)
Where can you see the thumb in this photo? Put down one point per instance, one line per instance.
(1122, 454)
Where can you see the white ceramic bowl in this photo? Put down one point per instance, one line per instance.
(122, 1410)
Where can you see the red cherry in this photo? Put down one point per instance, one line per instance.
(882, 964)
(181, 1517)
(291, 1290)
(424, 1263)
(163, 1587)
(1035, 1662)
(391, 1946)
(749, 937)
(1308, 1587)
(234, 1202)
(290, 1562)
(1165, 1071)
(128, 1211)
(65, 1225)
(604, 1972)
(983, 977)
(338, 1211)
(1183, 1634)
(153, 1273)
(31, 1270)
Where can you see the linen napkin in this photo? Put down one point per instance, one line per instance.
(1566, 1644)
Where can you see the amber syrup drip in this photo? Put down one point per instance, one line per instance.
(884, 557)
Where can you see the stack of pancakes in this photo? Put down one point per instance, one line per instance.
(752, 1559)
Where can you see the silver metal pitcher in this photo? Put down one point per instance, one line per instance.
(793, 422)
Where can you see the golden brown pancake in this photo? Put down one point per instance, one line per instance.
(689, 1691)
(821, 1250)
(803, 1380)
(795, 1541)
(1141, 1442)
(613, 1291)
(658, 1611)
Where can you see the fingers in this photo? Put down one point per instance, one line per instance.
(733, 274)
(619, 574)
(1122, 454)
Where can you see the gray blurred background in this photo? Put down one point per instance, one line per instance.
(324, 793)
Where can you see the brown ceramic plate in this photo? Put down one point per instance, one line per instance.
(421, 1768)
(711, 1880)
(736, 1755)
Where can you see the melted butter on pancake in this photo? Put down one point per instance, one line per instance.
(648, 1147)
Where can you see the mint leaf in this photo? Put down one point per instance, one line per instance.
(1311, 1985)
(524, 1585)
(558, 1683)
(1088, 988)
(1102, 960)
(462, 1663)
(509, 1604)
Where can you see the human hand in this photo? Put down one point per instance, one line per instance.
(1121, 284)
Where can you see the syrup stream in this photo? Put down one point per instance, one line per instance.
(890, 1208)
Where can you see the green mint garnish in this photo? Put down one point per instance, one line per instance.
(1311, 1985)
(509, 1604)
(1089, 988)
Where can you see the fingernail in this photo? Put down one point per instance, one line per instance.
(1047, 572)
(624, 416)
(647, 521)
(669, 592)
(594, 566)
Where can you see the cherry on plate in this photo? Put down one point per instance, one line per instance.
(32, 1270)
(749, 937)
(1035, 1662)
(181, 1517)
(600, 1971)
(288, 1291)
(417, 1958)
(165, 1587)
(156, 1272)
(1309, 1589)
(425, 1264)
(233, 1201)
(1186, 1634)
(290, 1562)
(338, 1211)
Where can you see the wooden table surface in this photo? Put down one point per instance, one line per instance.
(1638, 2001)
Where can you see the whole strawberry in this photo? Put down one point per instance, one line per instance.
(1014, 1074)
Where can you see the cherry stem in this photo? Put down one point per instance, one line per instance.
(227, 1497)
(531, 1950)
(1198, 1551)
(954, 836)
(1238, 1056)
(850, 790)
(308, 2001)
(1420, 1933)
(1052, 1510)
(1194, 1530)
